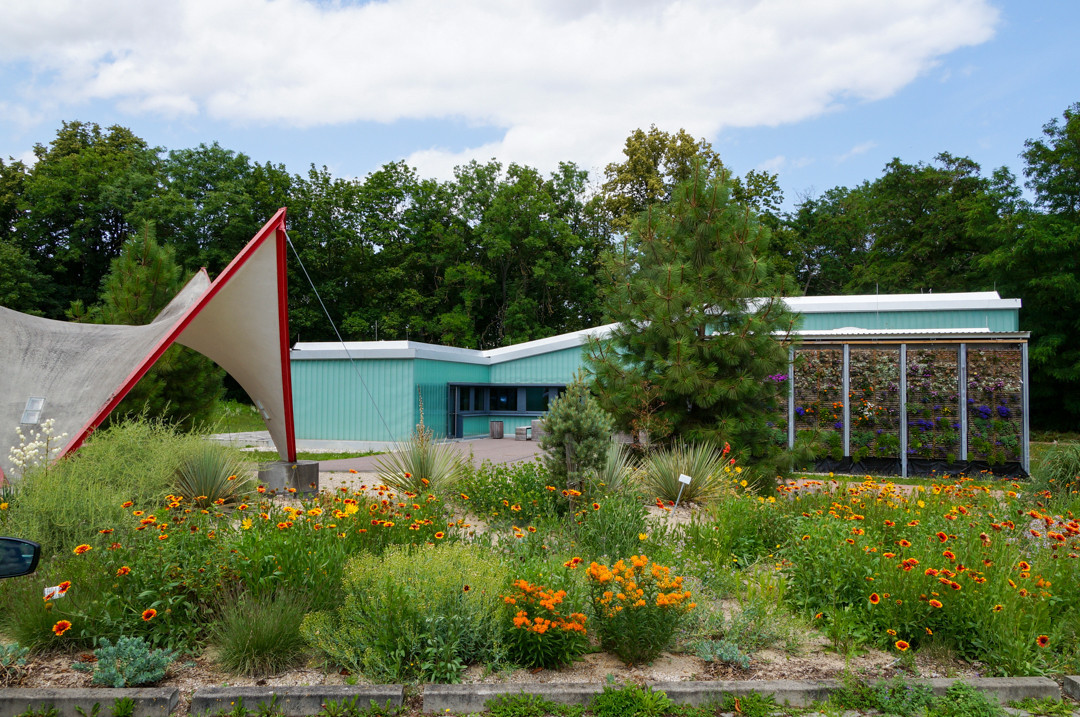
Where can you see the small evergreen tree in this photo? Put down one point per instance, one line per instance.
(183, 386)
(701, 325)
(576, 435)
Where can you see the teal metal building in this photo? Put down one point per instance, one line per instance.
(371, 392)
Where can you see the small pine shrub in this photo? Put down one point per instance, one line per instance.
(260, 635)
(129, 663)
(577, 433)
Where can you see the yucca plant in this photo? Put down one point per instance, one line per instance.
(421, 465)
(212, 474)
(703, 462)
(618, 466)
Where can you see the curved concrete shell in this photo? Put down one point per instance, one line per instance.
(239, 321)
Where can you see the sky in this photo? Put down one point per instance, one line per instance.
(822, 92)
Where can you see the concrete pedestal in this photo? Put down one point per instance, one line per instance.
(282, 475)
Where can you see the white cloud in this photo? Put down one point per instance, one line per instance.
(861, 148)
(565, 79)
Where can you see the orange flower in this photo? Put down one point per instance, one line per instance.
(999, 607)
(904, 543)
(935, 603)
(942, 536)
(149, 614)
(261, 489)
(902, 646)
(874, 598)
(440, 535)
(106, 531)
(124, 570)
(61, 627)
(126, 504)
(80, 549)
(596, 506)
(1042, 640)
(1024, 565)
(64, 586)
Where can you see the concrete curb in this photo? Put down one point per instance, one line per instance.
(149, 702)
(1071, 687)
(797, 693)
(293, 701)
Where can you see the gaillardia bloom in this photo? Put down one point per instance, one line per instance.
(149, 614)
(61, 627)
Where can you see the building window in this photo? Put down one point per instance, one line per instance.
(503, 399)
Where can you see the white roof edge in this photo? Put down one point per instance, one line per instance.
(901, 302)
(418, 350)
(977, 332)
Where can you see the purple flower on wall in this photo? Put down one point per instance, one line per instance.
(1003, 411)
(800, 411)
(778, 377)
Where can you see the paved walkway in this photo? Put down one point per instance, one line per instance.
(501, 450)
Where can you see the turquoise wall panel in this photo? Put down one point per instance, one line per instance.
(330, 401)
(995, 320)
(431, 378)
(556, 367)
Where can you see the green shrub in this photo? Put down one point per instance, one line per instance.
(212, 474)
(725, 651)
(638, 607)
(82, 493)
(1058, 471)
(539, 632)
(437, 604)
(520, 493)
(612, 526)
(260, 635)
(577, 433)
(703, 462)
(631, 701)
(129, 663)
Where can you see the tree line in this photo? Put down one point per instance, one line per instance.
(501, 254)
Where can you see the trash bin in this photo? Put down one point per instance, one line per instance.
(495, 429)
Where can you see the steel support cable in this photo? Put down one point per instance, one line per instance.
(352, 361)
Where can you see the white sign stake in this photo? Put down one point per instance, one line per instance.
(684, 480)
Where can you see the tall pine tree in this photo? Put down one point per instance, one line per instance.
(701, 325)
(183, 386)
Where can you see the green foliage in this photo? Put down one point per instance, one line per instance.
(12, 663)
(351, 708)
(615, 473)
(612, 526)
(752, 704)
(1058, 470)
(82, 494)
(212, 474)
(539, 630)
(637, 607)
(1046, 706)
(895, 697)
(630, 700)
(420, 465)
(963, 700)
(700, 327)
(182, 386)
(525, 704)
(260, 634)
(515, 492)
(131, 662)
(724, 651)
(406, 607)
(703, 462)
(576, 436)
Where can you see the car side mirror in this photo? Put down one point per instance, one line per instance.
(18, 557)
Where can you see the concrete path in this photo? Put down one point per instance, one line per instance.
(496, 450)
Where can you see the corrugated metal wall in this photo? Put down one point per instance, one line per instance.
(995, 320)
(330, 402)
(555, 367)
(431, 378)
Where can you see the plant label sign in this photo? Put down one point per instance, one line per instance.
(54, 592)
(685, 479)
